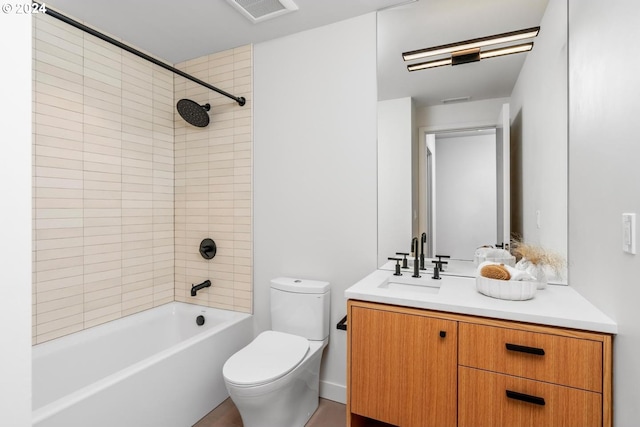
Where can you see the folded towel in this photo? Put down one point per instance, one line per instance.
(517, 274)
(513, 273)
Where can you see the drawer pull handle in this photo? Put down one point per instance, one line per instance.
(524, 349)
(525, 397)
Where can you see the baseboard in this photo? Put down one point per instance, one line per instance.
(333, 391)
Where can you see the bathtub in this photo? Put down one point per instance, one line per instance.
(155, 368)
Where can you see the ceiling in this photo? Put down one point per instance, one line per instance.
(177, 31)
(428, 23)
(187, 29)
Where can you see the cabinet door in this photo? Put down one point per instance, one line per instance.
(403, 368)
(489, 399)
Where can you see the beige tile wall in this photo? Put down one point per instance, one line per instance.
(213, 191)
(103, 182)
(125, 190)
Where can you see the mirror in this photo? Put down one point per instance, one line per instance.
(414, 105)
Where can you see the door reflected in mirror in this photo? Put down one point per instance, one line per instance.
(461, 191)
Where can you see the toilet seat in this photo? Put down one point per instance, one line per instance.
(268, 357)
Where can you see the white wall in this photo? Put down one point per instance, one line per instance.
(604, 178)
(15, 249)
(315, 169)
(466, 216)
(395, 195)
(539, 135)
(463, 115)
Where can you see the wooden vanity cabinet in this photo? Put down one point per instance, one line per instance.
(402, 368)
(412, 367)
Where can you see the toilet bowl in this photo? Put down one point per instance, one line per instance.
(285, 396)
(274, 381)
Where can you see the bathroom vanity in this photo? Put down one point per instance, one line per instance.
(454, 357)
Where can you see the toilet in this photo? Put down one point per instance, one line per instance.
(274, 381)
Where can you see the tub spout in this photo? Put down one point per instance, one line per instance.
(196, 288)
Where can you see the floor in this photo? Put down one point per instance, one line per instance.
(329, 414)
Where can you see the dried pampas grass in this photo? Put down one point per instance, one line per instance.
(537, 255)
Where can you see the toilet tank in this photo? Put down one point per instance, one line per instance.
(300, 307)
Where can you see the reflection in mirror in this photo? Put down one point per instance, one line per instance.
(461, 192)
(535, 191)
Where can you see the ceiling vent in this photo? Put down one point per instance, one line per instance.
(454, 100)
(261, 10)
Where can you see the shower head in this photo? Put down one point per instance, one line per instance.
(194, 113)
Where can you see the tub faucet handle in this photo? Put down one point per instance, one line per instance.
(208, 248)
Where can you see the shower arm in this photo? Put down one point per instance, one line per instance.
(239, 99)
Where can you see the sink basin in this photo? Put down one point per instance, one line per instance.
(422, 285)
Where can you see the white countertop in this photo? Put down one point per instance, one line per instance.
(556, 305)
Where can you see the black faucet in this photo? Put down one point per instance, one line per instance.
(423, 240)
(436, 269)
(196, 288)
(414, 249)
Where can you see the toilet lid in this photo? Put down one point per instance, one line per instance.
(268, 357)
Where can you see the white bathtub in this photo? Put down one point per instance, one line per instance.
(155, 368)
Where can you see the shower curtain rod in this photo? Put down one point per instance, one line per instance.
(239, 99)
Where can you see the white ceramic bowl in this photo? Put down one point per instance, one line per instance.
(513, 290)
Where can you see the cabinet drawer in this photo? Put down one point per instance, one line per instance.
(561, 360)
(488, 399)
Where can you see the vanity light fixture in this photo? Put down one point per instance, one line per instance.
(464, 57)
(471, 50)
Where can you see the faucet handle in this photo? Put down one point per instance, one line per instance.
(404, 259)
(442, 262)
(436, 269)
(397, 260)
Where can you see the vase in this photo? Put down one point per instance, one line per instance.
(537, 271)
